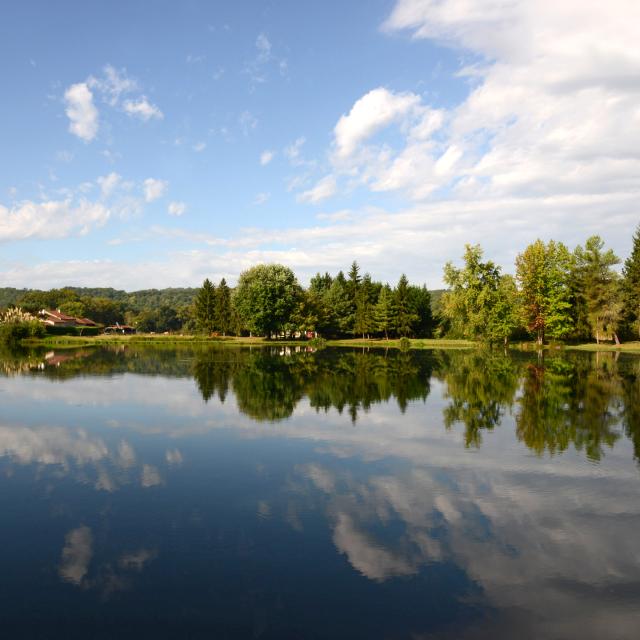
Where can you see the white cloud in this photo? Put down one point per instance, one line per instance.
(553, 108)
(81, 111)
(143, 109)
(374, 111)
(154, 189)
(176, 208)
(113, 85)
(324, 189)
(199, 146)
(266, 157)
(50, 219)
(261, 198)
(109, 183)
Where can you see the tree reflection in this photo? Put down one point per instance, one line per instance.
(268, 384)
(558, 401)
(570, 401)
(480, 386)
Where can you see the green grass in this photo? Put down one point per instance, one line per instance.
(137, 339)
(380, 343)
(625, 346)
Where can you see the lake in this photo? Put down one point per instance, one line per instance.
(280, 493)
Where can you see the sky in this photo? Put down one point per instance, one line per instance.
(157, 144)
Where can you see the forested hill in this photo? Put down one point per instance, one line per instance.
(138, 300)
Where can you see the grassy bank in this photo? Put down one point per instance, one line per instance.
(77, 341)
(380, 343)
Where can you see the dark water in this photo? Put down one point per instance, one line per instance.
(184, 493)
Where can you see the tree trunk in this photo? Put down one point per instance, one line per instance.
(615, 337)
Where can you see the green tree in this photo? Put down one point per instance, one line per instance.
(205, 306)
(383, 311)
(599, 285)
(631, 287)
(224, 320)
(266, 297)
(420, 299)
(503, 317)
(543, 273)
(472, 289)
(363, 322)
(338, 305)
(404, 313)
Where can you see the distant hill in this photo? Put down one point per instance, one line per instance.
(9, 295)
(135, 300)
(147, 298)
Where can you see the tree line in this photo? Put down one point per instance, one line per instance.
(554, 294)
(269, 301)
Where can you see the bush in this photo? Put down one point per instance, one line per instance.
(318, 343)
(405, 344)
(16, 331)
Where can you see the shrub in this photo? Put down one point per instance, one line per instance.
(16, 331)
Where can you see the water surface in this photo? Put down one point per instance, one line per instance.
(279, 493)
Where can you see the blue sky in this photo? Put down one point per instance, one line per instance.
(155, 144)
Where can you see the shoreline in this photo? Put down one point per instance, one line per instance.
(380, 343)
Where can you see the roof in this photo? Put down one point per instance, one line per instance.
(56, 317)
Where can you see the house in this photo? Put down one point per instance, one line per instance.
(55, 318)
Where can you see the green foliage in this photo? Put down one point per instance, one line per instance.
(544, 273)
(265, 298)
(13, 332)
(420, 301)
(383, 312)
(504, 314)
(473, 291)
(631, 288)
(205, 307)
(223, 311)
(404, 314)
(599, 287)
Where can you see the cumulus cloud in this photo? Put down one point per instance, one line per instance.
(143, 109)
(81, 111)
(266, 157)
(154, 189)
(51, 219)
(374, 111)
(109, 183)
(550, 110)
(176, 208)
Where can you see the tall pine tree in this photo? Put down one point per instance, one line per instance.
(205, 306)
(405, 316)
(223, 314)
(631, 287)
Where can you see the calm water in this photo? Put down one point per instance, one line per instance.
(184, 493)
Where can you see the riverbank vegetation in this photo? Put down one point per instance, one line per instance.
(555, 294)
